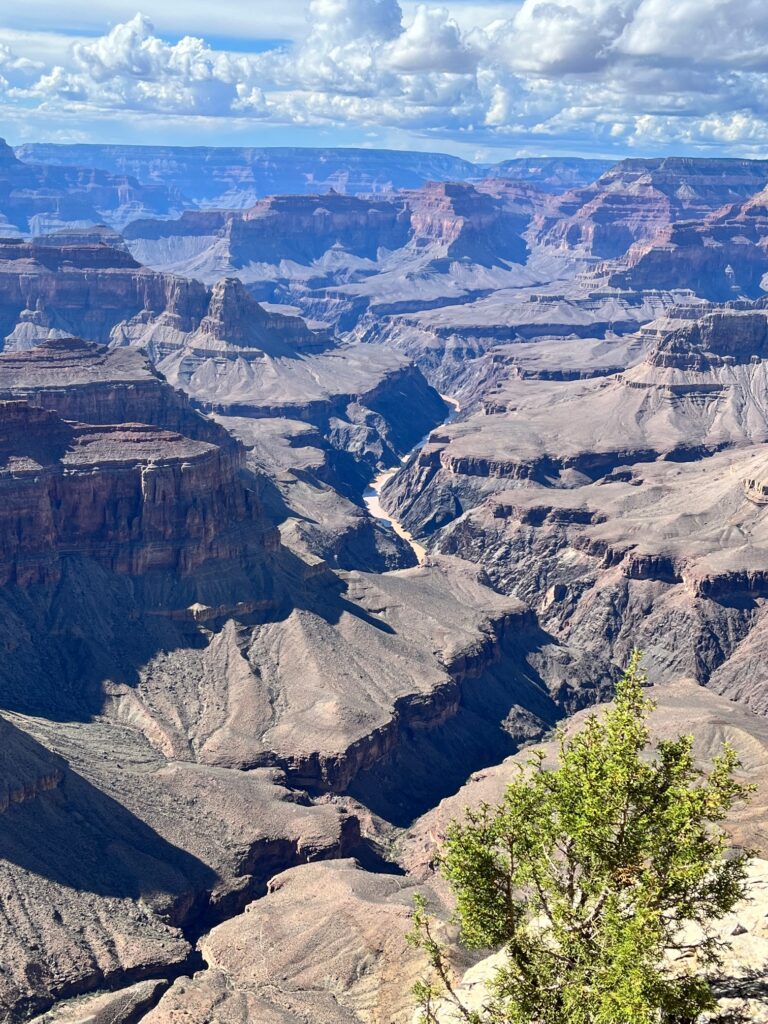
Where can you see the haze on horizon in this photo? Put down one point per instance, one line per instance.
(482, 80)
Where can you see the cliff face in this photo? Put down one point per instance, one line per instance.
(720, 257)
(723, 337)
(625, 508)
(232, 355)
(89, 383)
(667, 555)
(97, 291)
(80, 290)
(342, 237)
(636, 199)
(461, 222)
(234, 177)
(131, 497)
(94, 465)
(299, 228)
(36, 198)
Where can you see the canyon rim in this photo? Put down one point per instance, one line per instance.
(374, 379)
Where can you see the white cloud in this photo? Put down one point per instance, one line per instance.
(574, 37)
(432, 42)
(594, 74)
(722, 32)
(354, 21)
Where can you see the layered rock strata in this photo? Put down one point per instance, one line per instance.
(332, 253)
(334, 935)
(634, 200)
(102, 880)
(37, 198)
(88, 383)
(605, 504)
(82, 290)
(223, 177)
(132, 497)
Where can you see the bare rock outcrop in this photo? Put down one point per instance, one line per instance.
(461, 222)
(88, 383)
(132, 497)
(327, 944)
(226, 176)
(82, 290)
(37, 198)
(102, 879)
(219, 177)
(720, 256)
(625, 509)
(333, 687)
(634, 200)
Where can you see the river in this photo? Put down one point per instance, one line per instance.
(372, 494)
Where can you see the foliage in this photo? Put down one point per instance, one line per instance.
(588, 874)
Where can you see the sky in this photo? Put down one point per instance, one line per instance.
(482, 80)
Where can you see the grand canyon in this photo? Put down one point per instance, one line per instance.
(332, 480)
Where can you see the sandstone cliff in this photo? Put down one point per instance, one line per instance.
(37, 198)
(635, 199)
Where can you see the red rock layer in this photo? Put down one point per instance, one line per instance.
(131, 496)
(636, 199)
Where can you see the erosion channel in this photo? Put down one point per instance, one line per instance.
(372, 495)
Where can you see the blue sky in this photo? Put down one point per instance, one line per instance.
(483, 80)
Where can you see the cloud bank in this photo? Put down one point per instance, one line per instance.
(600, 75)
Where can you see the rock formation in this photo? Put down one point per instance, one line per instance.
(327, 941)
(233, 356)
(292, 228)
(720, 257)
(83, 290)
(482, 225)
(634, 200)
(232, 702)
(101, 875)
(89, 383)
(621, 507)
(327, 945)
(227, 177)
(333, 255)
(167, 653)
(38, 198)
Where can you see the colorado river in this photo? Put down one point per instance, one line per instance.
(372, 493)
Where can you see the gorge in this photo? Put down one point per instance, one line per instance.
(318, 509)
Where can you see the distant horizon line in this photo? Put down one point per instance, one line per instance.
(611, 160)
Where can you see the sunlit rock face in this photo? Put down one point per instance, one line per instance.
(220, 668)
(634, 200)
(721, 256)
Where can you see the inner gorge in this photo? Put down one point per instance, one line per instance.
(333, 484)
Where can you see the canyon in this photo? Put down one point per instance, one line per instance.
(331, 481)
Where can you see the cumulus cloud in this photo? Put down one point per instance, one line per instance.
(614, 75)
(349, 21)
(562, 38)
(720, 32)
(433, 42)
(132, 68)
